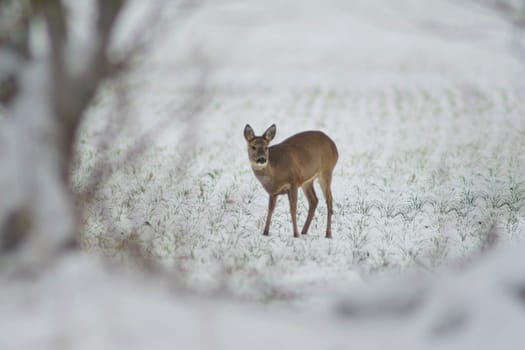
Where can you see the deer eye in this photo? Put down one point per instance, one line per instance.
(254, 148)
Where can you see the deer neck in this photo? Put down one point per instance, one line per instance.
(264, 175)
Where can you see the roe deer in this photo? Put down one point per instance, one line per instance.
(295, 162)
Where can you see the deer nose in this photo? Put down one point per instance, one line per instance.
(261, 160)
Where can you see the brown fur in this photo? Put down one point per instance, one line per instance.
(295, 162)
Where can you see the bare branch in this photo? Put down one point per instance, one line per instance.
(53, 12)
(190, 109)
(100, 66)
(8, 89)
(14, 26)
(72, 94)
(15, 229)
(108, 11)
(105, 168)
(14, 46)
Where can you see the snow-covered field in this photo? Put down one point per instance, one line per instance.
(425, 103)
(429, 127)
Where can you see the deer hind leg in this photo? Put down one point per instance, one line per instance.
(309, 192)
(271, 207)
(325, 180)
(292, 197)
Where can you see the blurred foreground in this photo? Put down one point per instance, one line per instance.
(425, 104)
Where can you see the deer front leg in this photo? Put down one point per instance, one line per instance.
(271, 207)
(292, 198)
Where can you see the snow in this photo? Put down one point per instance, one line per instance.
(425, 104)
(78, 304)
(30, 176)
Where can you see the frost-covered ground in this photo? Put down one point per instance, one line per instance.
(427, 115)
(78, 304)
(425, 103)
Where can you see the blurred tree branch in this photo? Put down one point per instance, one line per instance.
(44, 113)
(71, 94)
(190, 108)
(14, 43)
(51, 134)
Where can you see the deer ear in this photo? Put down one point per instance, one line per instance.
(248, 133)
(269, 134)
